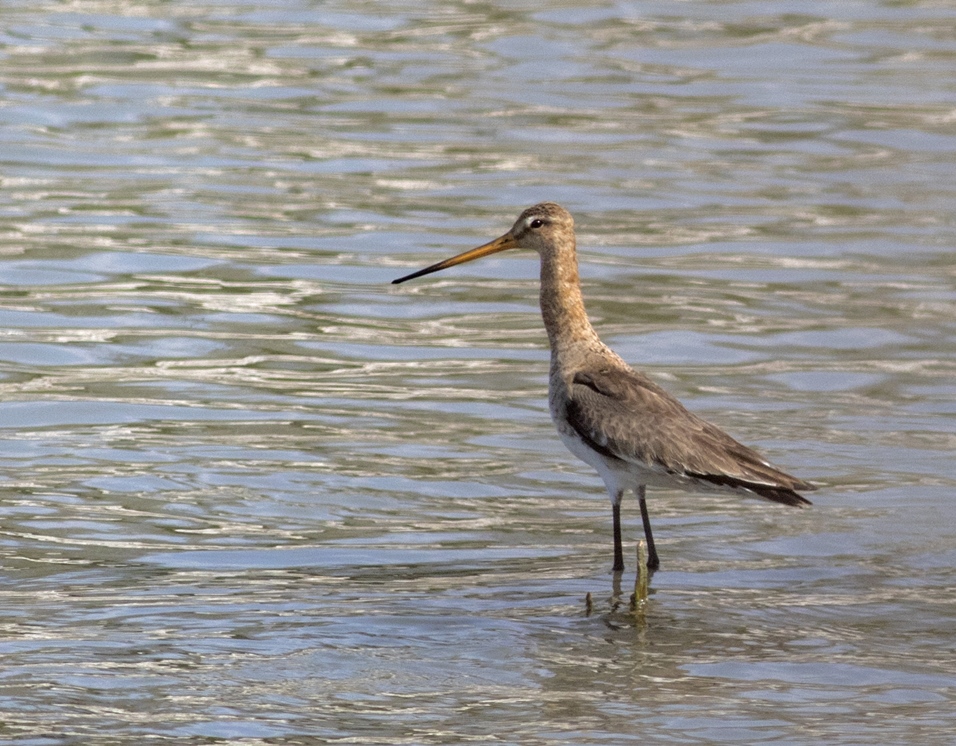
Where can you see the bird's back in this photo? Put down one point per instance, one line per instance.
(622, 414)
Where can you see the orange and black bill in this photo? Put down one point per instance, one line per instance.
(503, 243)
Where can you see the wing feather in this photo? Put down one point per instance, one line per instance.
(624, 415)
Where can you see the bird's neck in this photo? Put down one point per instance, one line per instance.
(562, 305)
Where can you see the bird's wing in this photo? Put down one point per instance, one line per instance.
(622, 413)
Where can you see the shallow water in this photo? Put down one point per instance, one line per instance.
(254, 492)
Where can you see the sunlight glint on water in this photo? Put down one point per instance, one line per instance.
(251, 491)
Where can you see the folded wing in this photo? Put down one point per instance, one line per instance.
(624, 415)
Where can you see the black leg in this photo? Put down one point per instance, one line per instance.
(652, 560)
(618, 552)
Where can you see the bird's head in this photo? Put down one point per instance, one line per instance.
(541, 228)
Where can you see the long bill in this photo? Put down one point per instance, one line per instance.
(502, 243)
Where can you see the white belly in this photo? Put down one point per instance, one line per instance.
(619, 475)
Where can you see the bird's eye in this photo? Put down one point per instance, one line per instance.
(536, 223)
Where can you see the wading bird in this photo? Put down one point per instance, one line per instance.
(611, 416)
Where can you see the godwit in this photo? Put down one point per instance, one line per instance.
(611, 416)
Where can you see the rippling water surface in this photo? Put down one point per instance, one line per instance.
(251, 491)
